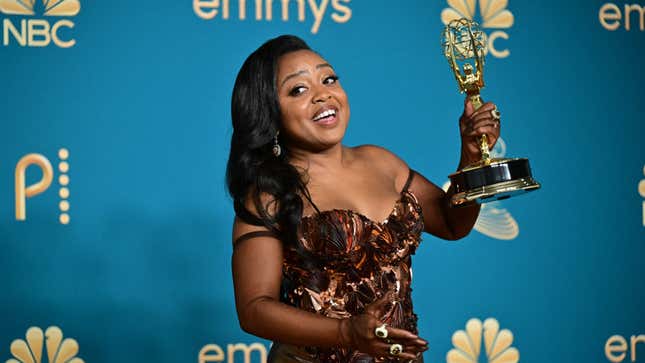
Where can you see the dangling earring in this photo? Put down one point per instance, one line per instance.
(277, 150)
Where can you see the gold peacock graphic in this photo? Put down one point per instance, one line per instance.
(30, 350)
(497, 344)
(48, 7)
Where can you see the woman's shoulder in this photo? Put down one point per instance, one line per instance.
(379, 155)
(385, 160)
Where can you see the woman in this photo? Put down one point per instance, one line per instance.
(328, 281)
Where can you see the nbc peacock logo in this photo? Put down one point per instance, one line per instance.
(37, 32)
(30, 350)
(493, 14)
(497, 344)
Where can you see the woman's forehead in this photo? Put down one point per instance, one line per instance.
(299, 60)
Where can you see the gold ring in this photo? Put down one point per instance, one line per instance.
(496, 114)
(396, 349)
(381, 331)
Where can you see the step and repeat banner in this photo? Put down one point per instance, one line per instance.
(115, 224)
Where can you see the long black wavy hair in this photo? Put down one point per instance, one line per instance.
(253, 171)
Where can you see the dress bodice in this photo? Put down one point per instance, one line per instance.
(344, 261)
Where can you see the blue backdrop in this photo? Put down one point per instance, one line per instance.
(141, 270)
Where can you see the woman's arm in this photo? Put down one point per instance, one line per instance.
(440, 219)
(257, 273)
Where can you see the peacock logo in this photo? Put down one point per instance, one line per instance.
(30, 350)
(35, 32)
(49, 7)
(493, 14)
(497, 344)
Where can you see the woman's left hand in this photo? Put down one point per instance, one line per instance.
(474, 123)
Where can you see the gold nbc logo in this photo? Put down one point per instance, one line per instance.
(30, 350)
(497, 343)
(494, 220)
(51, 7)
(493, 14)
(38, 32)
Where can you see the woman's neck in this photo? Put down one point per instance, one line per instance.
(333, 158)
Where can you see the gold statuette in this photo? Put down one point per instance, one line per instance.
(464, 45)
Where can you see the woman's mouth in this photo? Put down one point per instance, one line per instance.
(326, 117)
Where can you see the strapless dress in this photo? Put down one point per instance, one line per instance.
(343, 262)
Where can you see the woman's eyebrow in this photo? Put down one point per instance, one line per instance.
(292, 75)
(296, 74)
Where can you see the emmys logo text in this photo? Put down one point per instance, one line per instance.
(24, 191)
(612, 16)
(214, 353)
(263, 10)
(30, 349)
(641, 191)
(617, 349)
(492, 14)
(497, 343)
(26, 31)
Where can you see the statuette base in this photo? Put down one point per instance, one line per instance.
(491, 180)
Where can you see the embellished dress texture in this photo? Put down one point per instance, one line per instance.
(344, 262)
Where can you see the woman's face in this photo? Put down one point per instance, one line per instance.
(313, 105)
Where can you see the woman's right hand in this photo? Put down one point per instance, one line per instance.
(357, 332)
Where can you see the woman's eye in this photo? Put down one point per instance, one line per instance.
(297, 90)
(331, 80)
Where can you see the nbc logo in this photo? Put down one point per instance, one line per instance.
(24, 191)
(38, 32)
(31, 349)
(493, 15)
(497, 343)
(494, 220)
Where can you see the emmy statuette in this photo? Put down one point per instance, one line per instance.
(489, 179)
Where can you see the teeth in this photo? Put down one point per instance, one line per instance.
(325, 114)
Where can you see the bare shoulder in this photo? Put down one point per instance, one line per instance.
(385, 160)
(381, 157)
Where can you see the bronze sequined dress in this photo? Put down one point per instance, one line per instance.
(346, 261)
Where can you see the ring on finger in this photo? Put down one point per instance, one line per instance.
(396, 349)
(496, 114)
(381, 331)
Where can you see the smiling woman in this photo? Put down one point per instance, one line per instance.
(313, 105)
(328, 281)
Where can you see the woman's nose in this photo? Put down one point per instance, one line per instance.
(322, 94)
